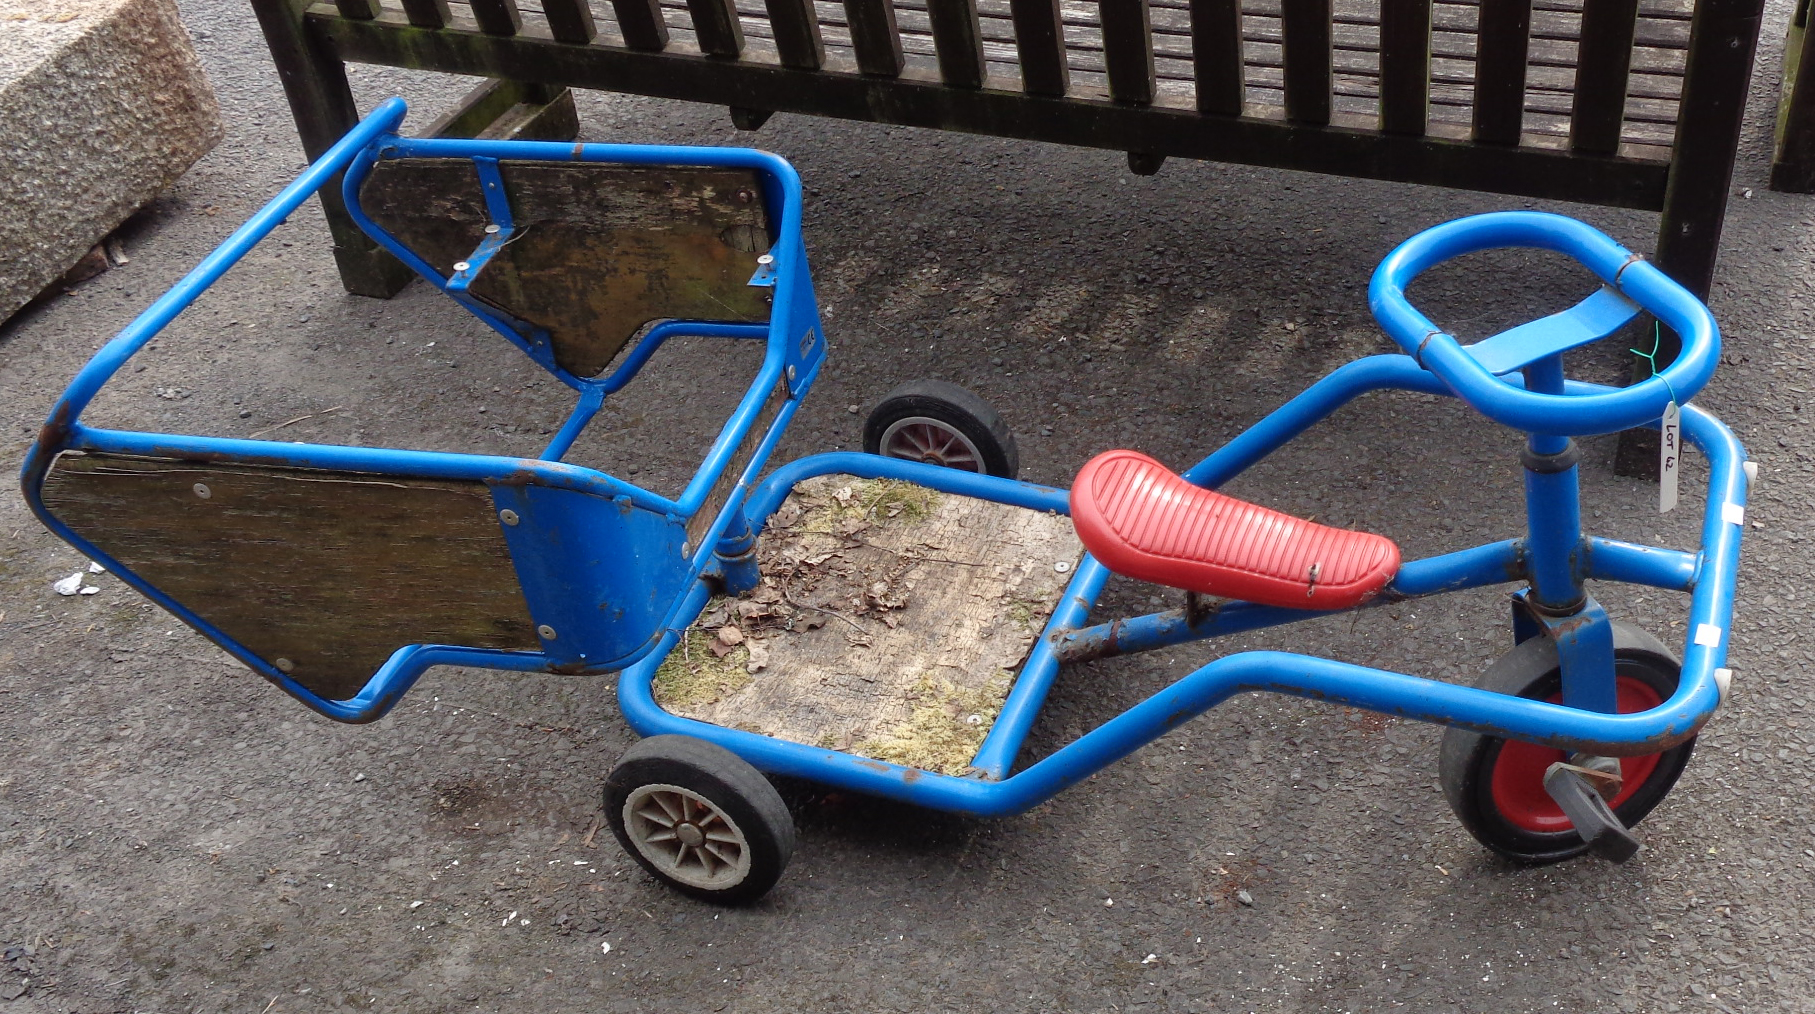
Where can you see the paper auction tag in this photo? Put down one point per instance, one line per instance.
(1669, 449)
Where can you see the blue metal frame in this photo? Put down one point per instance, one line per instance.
(1709, 575)
(633, 538)
(632, 544)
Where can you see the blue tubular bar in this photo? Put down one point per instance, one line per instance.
(1612, 560)
(1554, 511)
(731, 513)
(1495, 563)
(1608, 410)
(1475, 567)
(400, 672)
(1341, 386)
(767, 496)
(1022, 706)
(384, 460)
(647, 346)
(1711, 604)
(592, 398)
(1545, 376)
(724, 448)
(593, 392)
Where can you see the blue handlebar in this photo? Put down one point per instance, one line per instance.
(1560, 414)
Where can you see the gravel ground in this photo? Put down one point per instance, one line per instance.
(176, 836)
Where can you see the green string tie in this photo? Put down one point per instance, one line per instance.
(1650, 358)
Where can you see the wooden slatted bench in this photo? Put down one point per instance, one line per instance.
(1627, 103)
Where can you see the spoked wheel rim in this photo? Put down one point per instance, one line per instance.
(685, 836)
(919, 438)
(1518, 777)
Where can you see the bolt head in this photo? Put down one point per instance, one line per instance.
(461, 266)
(508, 516)
(202, 490)
(284, 665)
(545, 632)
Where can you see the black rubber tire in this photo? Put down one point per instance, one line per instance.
(730, 784)
(952, 406)
(1465, 766)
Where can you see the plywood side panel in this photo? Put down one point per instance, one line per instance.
(330, 572)
(600, 250)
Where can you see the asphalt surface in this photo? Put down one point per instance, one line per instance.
(176, 835)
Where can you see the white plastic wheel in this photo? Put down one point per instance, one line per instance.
(918, 438)
(686, 838)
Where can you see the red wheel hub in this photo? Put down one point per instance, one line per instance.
(1518, 779)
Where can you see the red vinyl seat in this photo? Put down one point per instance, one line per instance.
(1142, 520)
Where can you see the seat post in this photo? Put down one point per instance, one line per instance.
(1552, 506)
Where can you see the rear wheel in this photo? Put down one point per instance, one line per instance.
(700, 818)
(942, 424)
(1496, 786)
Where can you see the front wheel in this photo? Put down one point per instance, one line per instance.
(1496, 786)
(699, 818)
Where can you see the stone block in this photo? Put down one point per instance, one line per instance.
(102, 106)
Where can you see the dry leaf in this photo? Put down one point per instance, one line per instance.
(785, 515)
(717, 616)
(753, 610)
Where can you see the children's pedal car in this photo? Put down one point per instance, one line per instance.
(887, 622)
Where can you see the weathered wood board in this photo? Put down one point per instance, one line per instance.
(601, 250)
(890, 622)
(329, 572)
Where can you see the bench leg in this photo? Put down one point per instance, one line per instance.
(1793, 164)
(315, 82)
(1722, 41)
